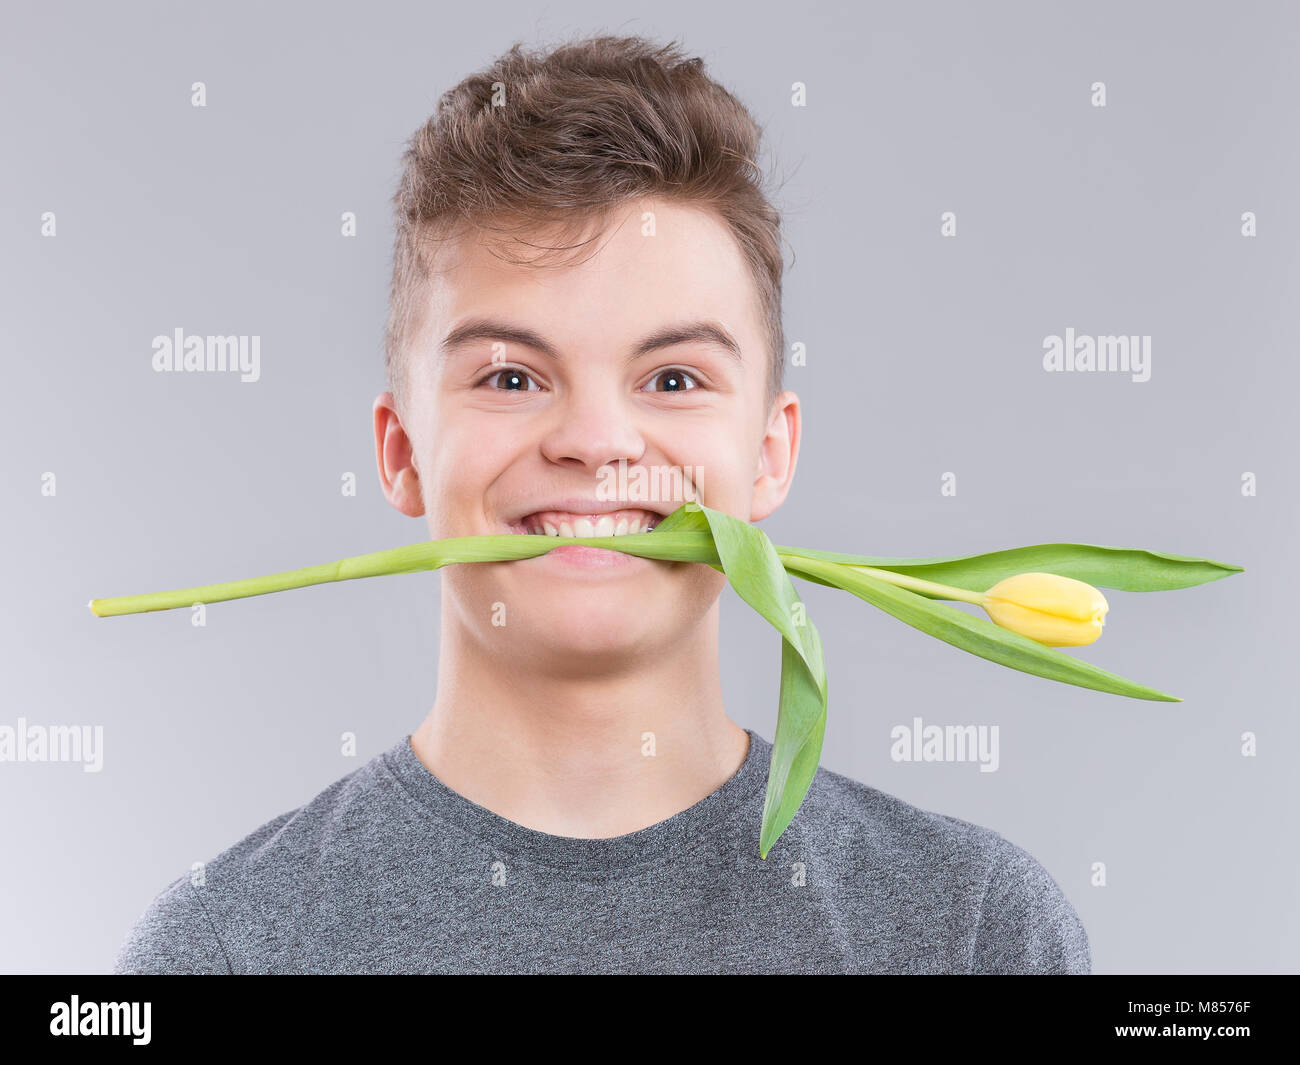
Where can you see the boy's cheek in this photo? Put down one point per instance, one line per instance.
(456, 485)
(728, 488)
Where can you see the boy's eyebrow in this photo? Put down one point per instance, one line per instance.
(705, 332)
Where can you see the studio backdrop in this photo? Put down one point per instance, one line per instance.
(967, 189)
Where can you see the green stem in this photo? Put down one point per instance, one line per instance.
(434, 554)
(413, 558)
(825, 572)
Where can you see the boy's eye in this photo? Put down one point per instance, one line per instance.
(511, 381)
(673, 381)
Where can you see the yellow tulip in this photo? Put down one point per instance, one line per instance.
(1054, 610)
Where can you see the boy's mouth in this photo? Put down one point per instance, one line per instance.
(623, 522)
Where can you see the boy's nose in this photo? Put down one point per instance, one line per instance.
(592, 429)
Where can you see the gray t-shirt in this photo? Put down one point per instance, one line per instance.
(389, 871)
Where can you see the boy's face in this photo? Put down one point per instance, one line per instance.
(506, 434)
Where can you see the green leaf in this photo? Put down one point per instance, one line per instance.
(689, 517)
(751, 564)
(1124, 568)
(977, 635)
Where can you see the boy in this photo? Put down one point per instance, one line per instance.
(577, 799)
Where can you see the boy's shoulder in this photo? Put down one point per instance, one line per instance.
(854, 812)
(270, 869)
(930, 866)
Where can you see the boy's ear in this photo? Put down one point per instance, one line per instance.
(777, 456)
(397, 473)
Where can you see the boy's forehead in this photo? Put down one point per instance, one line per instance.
(653, 263)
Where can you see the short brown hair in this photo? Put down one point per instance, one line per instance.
(590, 125)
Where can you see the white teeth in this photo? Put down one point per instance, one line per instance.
(585, 526)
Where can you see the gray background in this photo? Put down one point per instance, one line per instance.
(924, 357)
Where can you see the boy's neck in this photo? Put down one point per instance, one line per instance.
(568, 754)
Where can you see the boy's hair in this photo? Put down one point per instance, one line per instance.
(575, 133)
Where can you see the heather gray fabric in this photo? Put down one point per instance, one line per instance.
(389, 871)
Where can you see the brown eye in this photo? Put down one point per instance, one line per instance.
(674, 381)
(510, 381)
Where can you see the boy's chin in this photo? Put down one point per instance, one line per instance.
(602, 641)
(601, 621)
